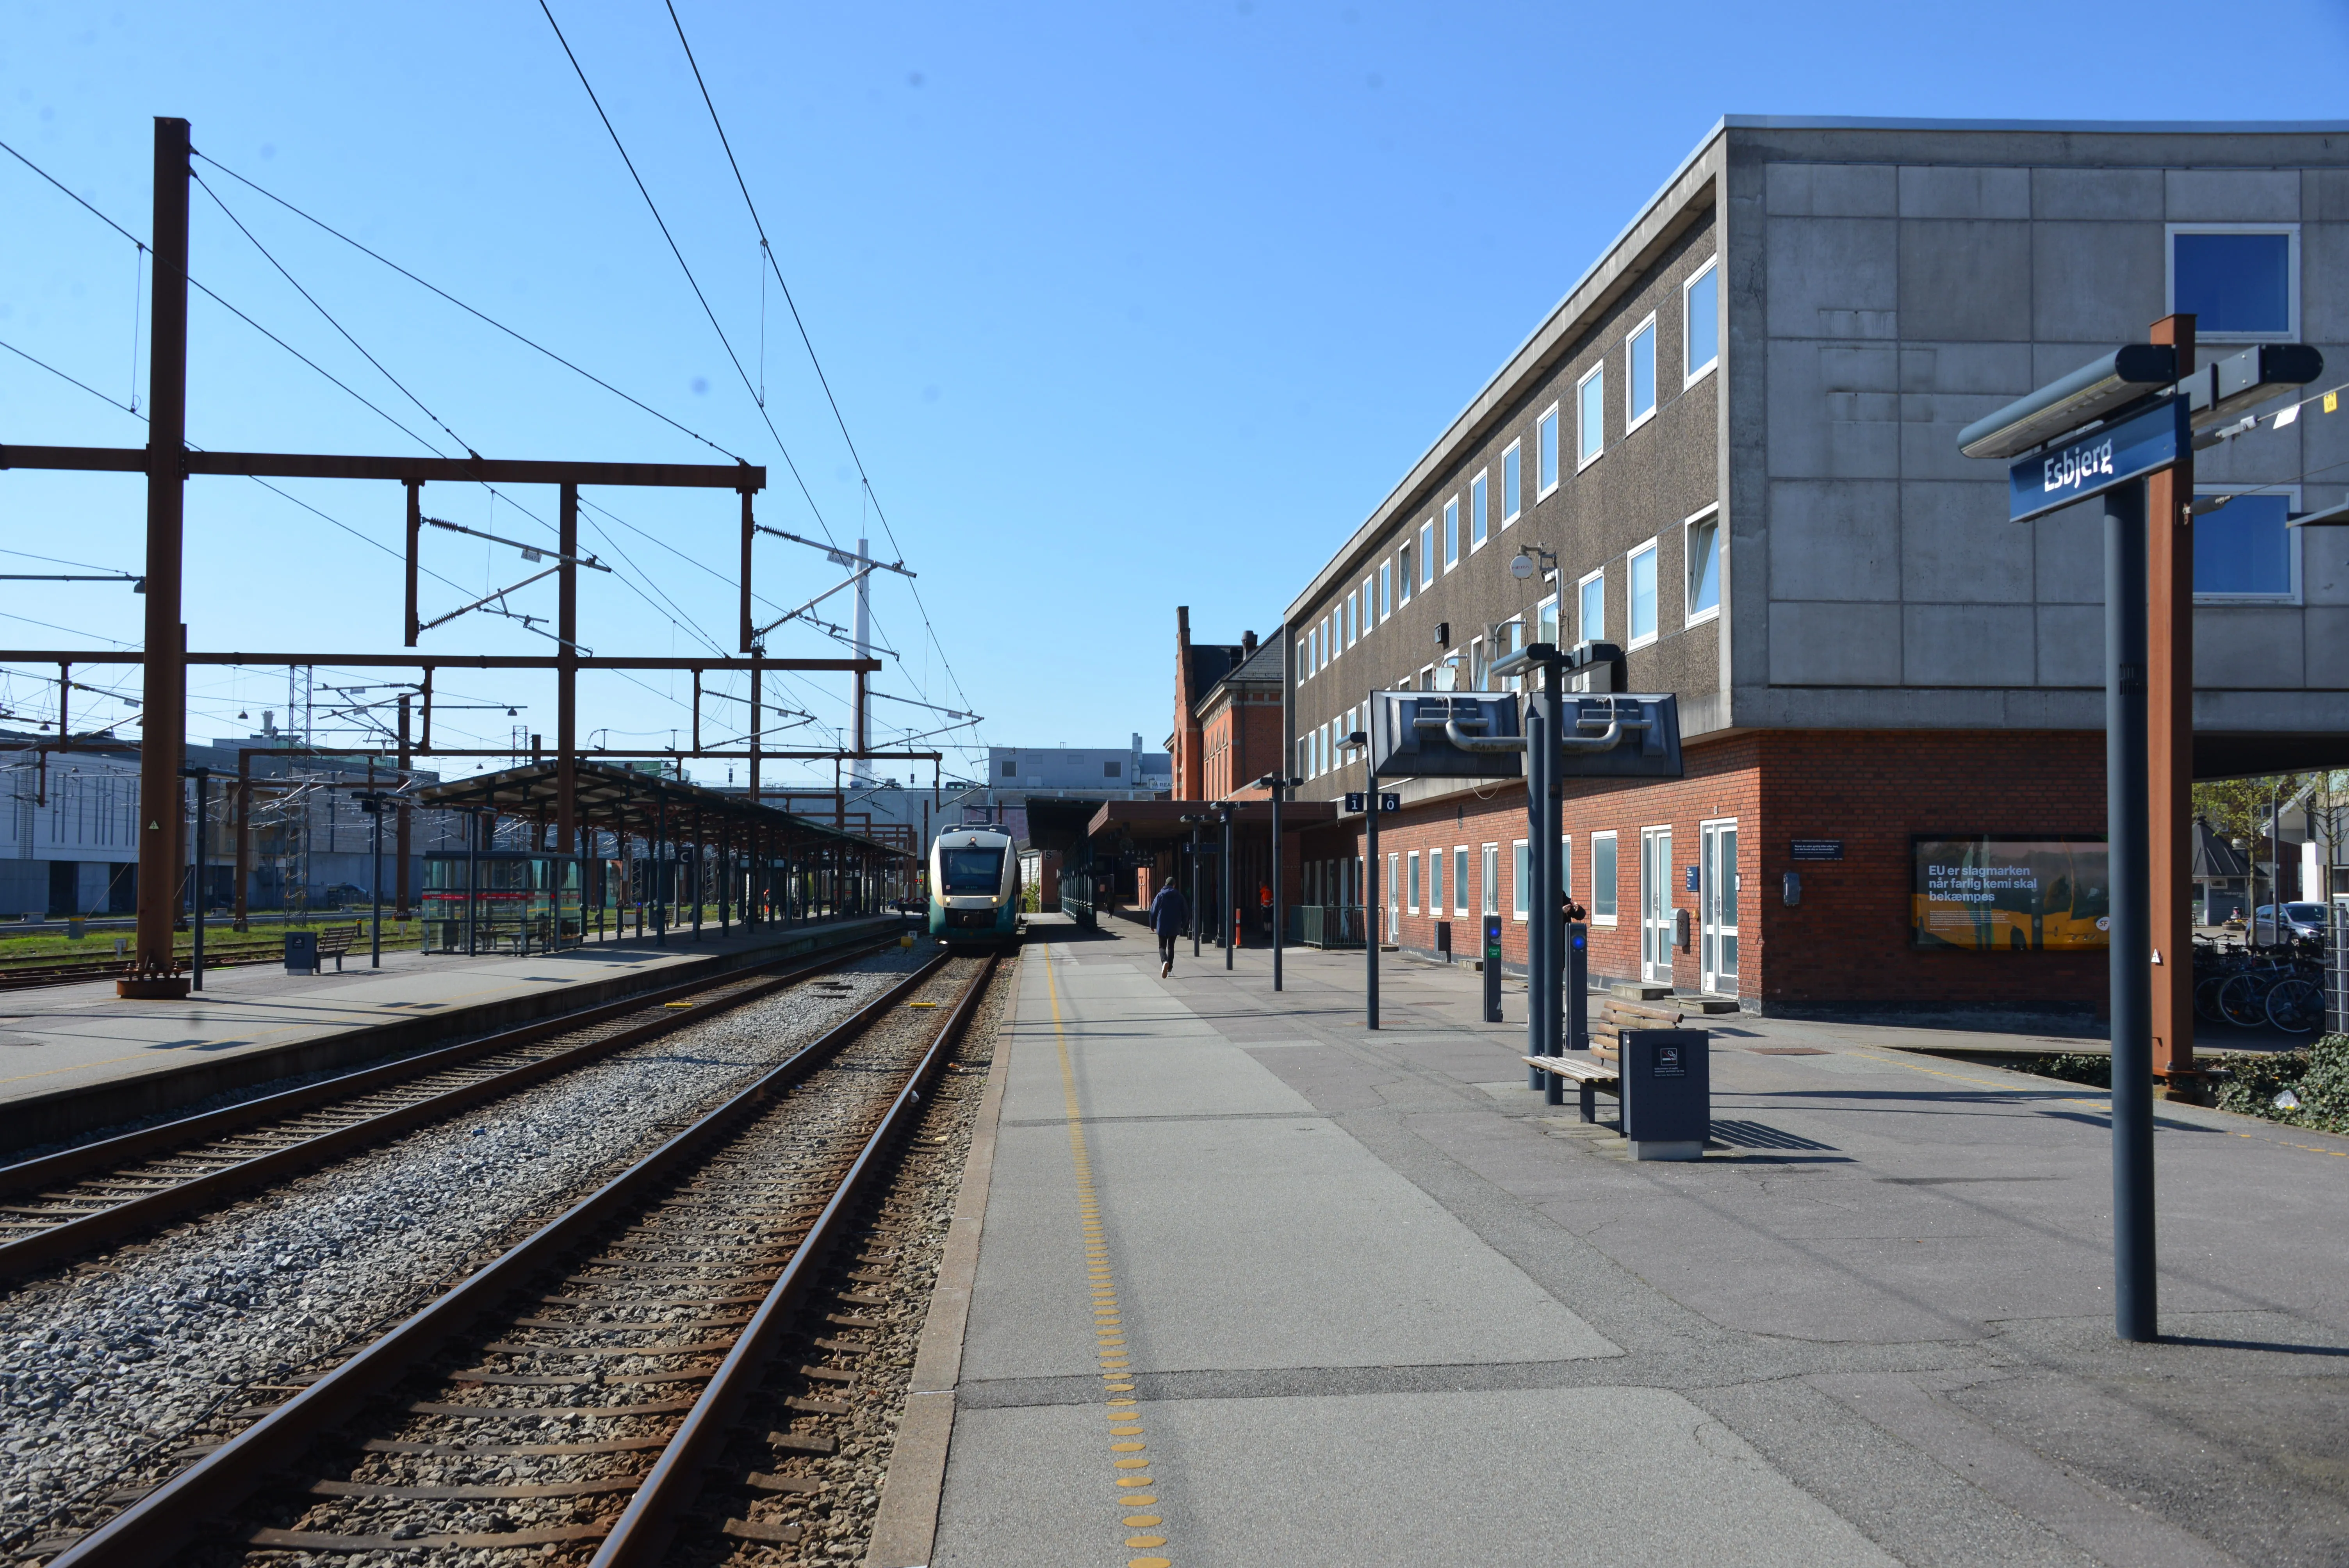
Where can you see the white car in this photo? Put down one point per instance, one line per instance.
(2299, 919)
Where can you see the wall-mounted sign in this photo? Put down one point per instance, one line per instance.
(2096, 463)
(1690, 879)
(2011, 895)
(1817, 850)
(1358, 800)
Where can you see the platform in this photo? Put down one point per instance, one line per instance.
(73, 1058)
(1373, 1302)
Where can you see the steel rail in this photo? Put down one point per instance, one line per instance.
(642, 1532)
(170, 1518)
(104, 1226)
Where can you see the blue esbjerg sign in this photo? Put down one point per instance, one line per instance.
(2094, 464)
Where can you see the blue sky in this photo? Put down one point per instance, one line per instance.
(1126, 306)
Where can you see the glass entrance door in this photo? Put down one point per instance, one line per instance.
(1656, 905)
(1717, 903)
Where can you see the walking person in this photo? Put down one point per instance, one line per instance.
(1170, 913)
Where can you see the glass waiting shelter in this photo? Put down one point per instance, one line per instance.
(501, 900)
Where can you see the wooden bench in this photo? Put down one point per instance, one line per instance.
(334, 942)
(1588, 1073)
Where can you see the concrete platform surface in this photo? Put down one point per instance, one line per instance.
(58, 1041)
(1256, 1286)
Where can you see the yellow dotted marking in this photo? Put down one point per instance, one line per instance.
(1124, 1413)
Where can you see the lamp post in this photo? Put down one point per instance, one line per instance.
(372, 804)
(1195, 822)
(203, 776)
(1372, 935)
(1279, 786)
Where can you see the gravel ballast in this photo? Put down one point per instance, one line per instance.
(107, 1372)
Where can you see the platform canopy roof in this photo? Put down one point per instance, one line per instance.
(624, 801)
(1148, 822)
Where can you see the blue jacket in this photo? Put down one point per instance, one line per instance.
(1170, 912)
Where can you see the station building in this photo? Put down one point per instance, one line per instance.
(1731, 450)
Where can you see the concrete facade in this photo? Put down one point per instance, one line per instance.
(1783, 530)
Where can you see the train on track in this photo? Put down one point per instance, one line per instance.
(975, 889)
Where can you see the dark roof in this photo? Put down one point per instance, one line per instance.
(2214, 857)
(1211, 662)
(1150, 821)
(623, 800)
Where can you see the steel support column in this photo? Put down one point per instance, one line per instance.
(2133, 1315)
(2169, 739)
(566, 683)
(164, 697)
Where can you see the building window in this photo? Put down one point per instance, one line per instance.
(1476, 663)
(1593, 627)
(1640, 595)
(1546, 430)
(1111, 769)
(1641, 377)
(1304, 662)
(1427, 553)
(1565, 866)
(1513, 637)
(1435, 881)
(1459, 879)
(2243, 551)
(2239, 281)
(1489, 883)
(1452, 533)
(1404, 574)
(1479, 513)
(1370, 604)
(1512, 462)
(1386, 589)
(1546, 621)
(1702, 553)
(1411, 900)
(1590, 426)
(1010, 768)
(1305, 756)
(1700, 303)
(1328, 642)
(1603, 878)
(1520, 876)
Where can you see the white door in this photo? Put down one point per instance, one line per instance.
(1394, 913)
(1717, 902)
(1656, 905)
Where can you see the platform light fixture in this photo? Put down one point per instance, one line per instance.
(2112, 381)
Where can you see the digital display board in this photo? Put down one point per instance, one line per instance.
(1984, 894)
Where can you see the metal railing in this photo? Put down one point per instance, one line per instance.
(2336, 968)
(1328, 926)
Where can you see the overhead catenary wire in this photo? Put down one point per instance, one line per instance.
(654, 208)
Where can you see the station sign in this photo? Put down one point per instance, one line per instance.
(1817, 850)
(1358, 802)
(2102, 460)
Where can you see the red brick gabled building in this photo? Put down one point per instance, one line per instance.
(1197, 667)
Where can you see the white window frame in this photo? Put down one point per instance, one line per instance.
(1386, 589)
(1411, 888)
(1403, 573)
(1427, 677)
(1688, 566)
(1545, 438)
(1614, 892)
(1369, 603)
(1480, 510)
(2295, 538)
(1489, 891)
(1582, 633)
(1435, 888)
(1354, 617)
(1328, 642)
(1452, 551)
(1304, 659)
(1520, 874)
(1304, 756)
(1513, 632)
(1565, 866)
(1548, 610)
(1596, 373)
(1513, 482)
(1393, 899)
(1476, 664)
(1690, 377)
(1632, 417)
(1630, 572)
(1427, 553)
(1459, 879)
(2291, 263)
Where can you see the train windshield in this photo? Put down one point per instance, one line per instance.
(973, 870)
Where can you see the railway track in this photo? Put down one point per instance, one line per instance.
(573, 1396)
(69, 1203)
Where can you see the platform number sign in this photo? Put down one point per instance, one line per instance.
(1358, 800)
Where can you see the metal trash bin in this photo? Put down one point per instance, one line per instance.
(1667, 1092)
(301, 952)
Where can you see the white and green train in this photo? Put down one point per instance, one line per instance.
(975, 889)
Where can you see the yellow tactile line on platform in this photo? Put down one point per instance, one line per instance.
(1137, 1498)
(1991, 1083)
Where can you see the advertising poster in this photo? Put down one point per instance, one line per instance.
(2011, 895)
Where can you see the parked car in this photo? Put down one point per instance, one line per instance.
(2299, 919)
(345, 895)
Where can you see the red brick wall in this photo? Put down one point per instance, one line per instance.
(1848, 941)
